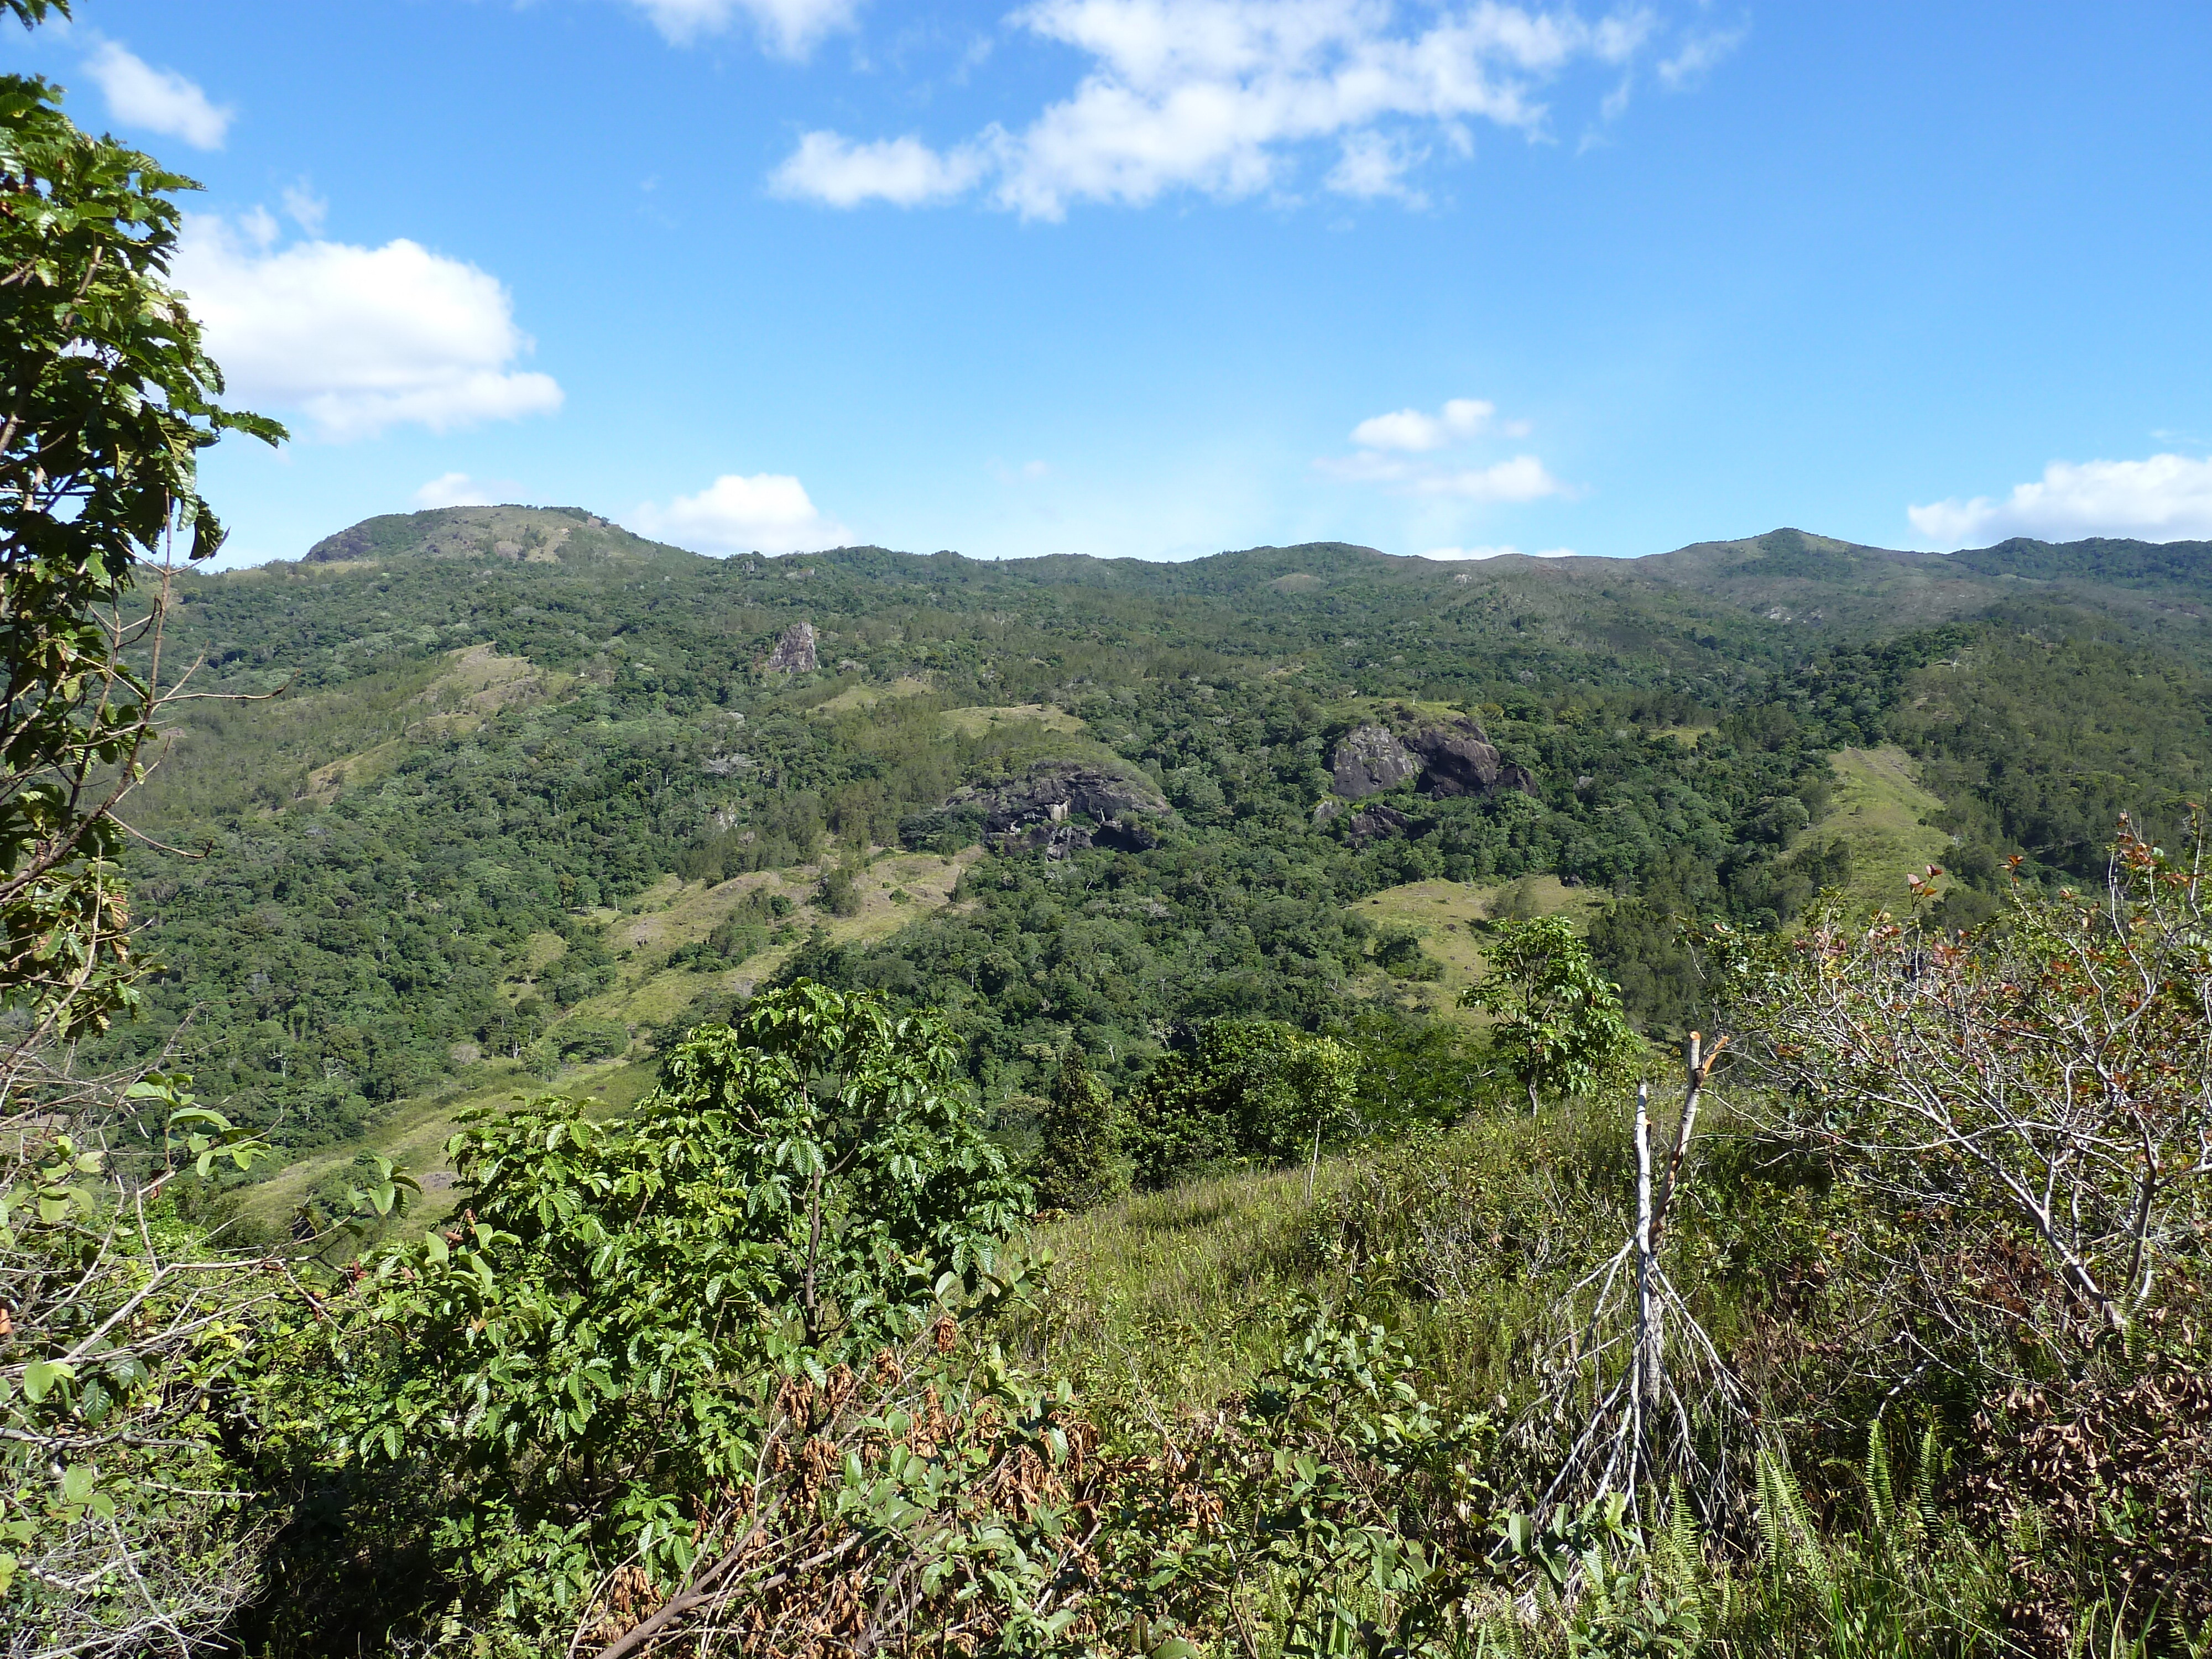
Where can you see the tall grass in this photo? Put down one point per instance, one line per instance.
(1177, 1298)
(1166, 1304)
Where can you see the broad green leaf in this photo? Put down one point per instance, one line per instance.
(40, 1376)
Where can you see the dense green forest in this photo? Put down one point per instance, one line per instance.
(486, 732)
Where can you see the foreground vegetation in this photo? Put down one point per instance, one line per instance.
(1168, 1241)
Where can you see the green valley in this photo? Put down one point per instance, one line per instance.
(512, 769)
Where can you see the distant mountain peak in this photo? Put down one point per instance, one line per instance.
(532, 535)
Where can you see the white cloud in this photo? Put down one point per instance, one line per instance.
(790, 28)
(1375, 164)
(1688, 65)
(1222, 96)
(357, 338)
(2165, 498)
(160, 101)
(1498, 552)
(1387, 441)
(308, 210)
(768, 513)
(1461, 418)
(1523, 478)
(904, 172)
(459, 490)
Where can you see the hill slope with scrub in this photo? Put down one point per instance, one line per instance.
(494, 742)
(1296, 939)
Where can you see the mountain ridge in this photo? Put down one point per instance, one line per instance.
(534, 534)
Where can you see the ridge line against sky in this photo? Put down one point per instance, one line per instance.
(1162, 276)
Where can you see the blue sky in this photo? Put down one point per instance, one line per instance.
(1159, 277)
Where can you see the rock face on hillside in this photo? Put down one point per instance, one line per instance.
(1062, 807)
(1457, 758)
(794, 652)
(1369, 760)
(1448, 757)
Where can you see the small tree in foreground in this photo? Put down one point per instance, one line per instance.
(592, 1357)
(106, 400)
(123, 1529)
(1082, 1164)
(2045, 1081)
(1559, 1028)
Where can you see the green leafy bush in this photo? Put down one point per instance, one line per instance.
(594, 1349)
(1241, 1091)
(1080, 1162)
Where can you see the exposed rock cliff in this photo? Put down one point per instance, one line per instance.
(1369, 760)
(1457, 758)
(1062, 807)
(794, 652)
(1449, 756)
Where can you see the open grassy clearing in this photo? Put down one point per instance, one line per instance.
(473, 683)
(854, 698)
(1174, 1297)
(667, 916)
(894, 889)
(1880, 809)
(1451, 917)
(978, 722)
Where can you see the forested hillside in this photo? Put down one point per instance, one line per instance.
(1301, 1105)
(487, 737)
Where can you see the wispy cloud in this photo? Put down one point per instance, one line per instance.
(790, 28)
(1400, 450)
(904, 172)
(1698, 54)
(1226, 97)
(766, 512)
(2164, 498)
(1460, 419)
(308, 210)
(158, 100)
(459, 490)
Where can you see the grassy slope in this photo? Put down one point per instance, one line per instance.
(1450, 916)
(646, 992)
(1166, 1298)
(1165, 1302)
(1881, 809)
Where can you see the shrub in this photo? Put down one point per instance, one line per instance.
(1081, 1162)
(1250, 1091)
(600, 1349)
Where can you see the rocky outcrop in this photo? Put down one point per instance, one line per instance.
(1457, 758)
(794, 652)
(1369, 760)
(1443, 758)
(1060, 807)
(1054, 789)
(1377, 821)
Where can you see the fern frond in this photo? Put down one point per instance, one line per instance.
(1880, 1489)
(1923, 1481)
(1786, 1529)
